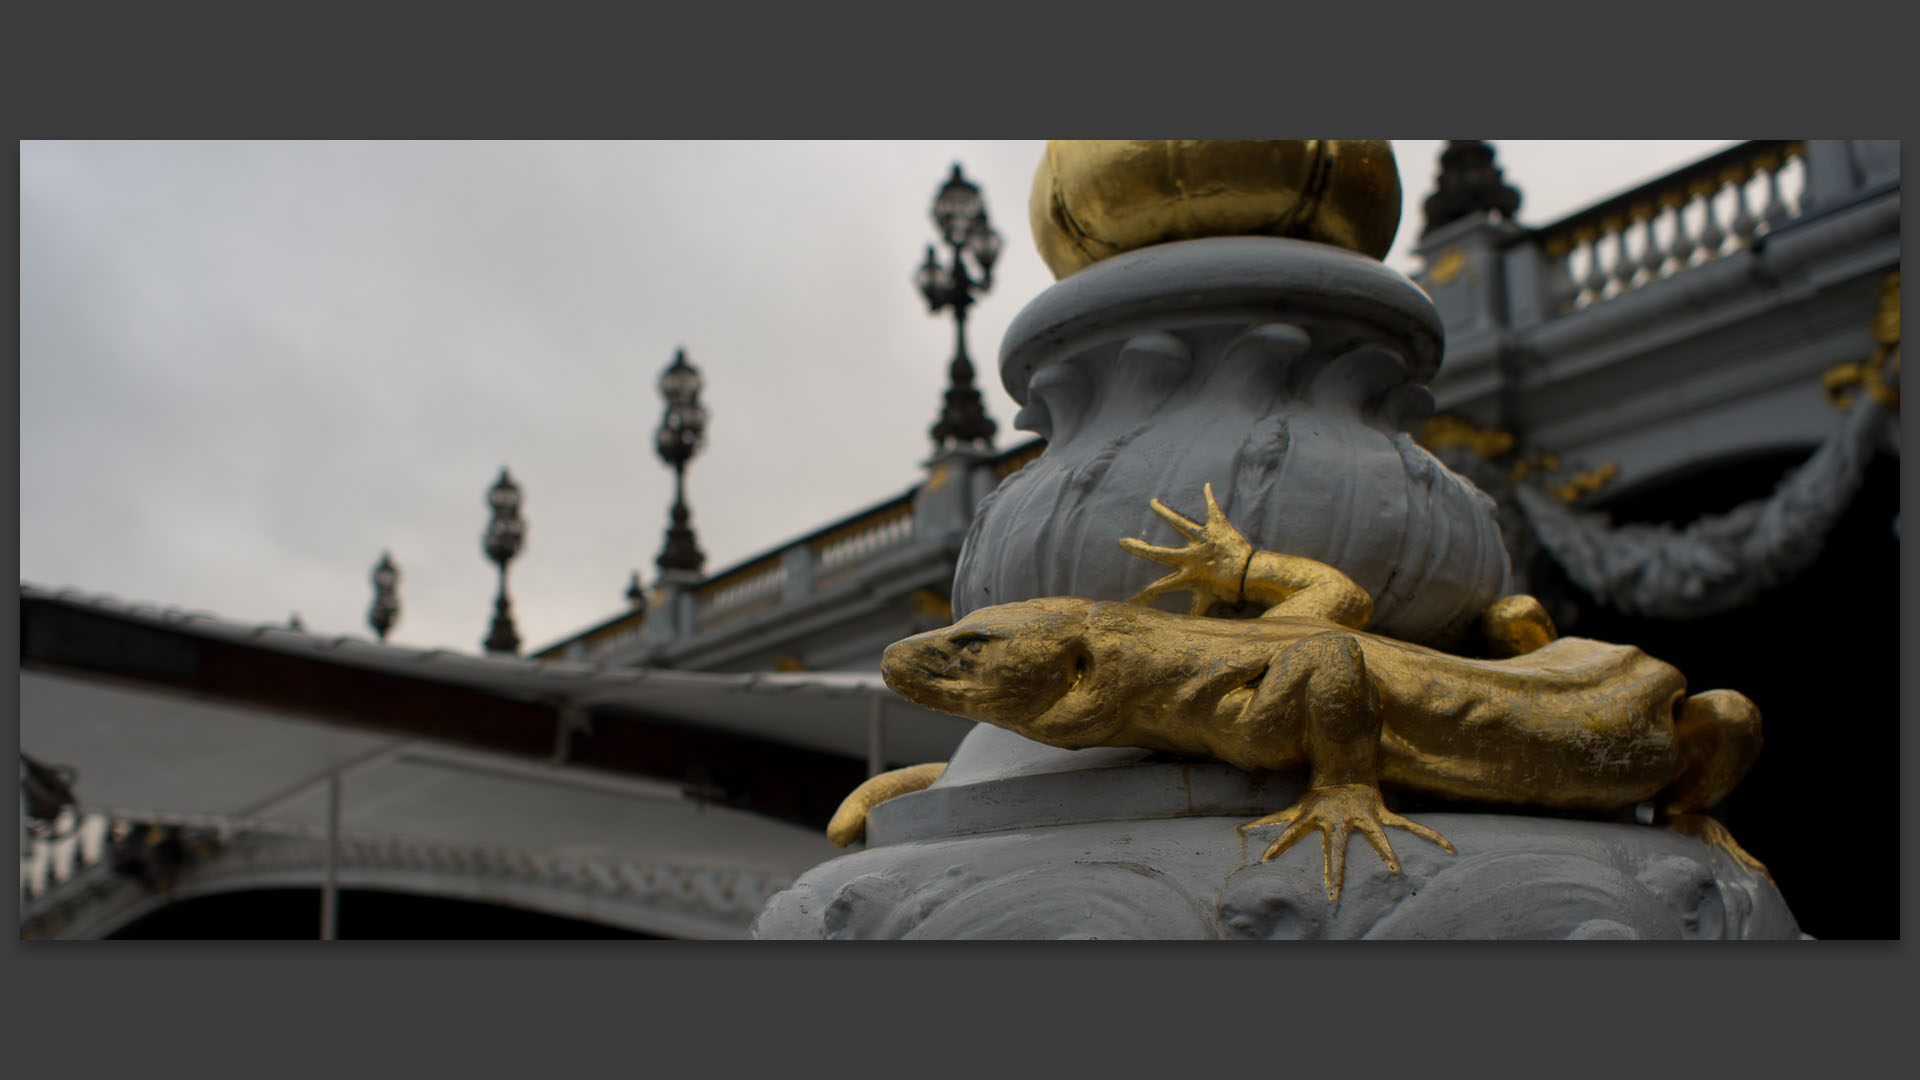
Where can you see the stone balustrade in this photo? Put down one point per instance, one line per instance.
(1710, 299)
(1693, 215)
(785, 576)
(741, 591)
(830, 555)
(49, 861)
(838, 550)
(616, 633)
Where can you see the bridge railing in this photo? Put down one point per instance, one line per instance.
(741, 591)
(786, 575)
(73, 847)
(836, 552)
(797, 569)
(1693, 215)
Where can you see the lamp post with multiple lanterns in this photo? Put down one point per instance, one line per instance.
(682, 430)
(961, 217)
(505, 535)
(386, 596)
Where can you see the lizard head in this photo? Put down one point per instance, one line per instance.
(1006, 665)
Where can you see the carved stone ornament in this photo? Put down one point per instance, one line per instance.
(1284, 373)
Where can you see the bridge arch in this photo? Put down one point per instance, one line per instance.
(523, 888)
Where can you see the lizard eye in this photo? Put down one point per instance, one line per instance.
(968, 641)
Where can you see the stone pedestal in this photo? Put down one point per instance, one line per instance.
(1122, 847)
(1287, 375)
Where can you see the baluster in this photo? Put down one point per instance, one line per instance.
(1558, 269)
(1711, 235)
(1776, 209)
(1651, 258)
(1797, 152)
(1744, 223)
(1623, 266)
(1596, 279)
(1682, 247)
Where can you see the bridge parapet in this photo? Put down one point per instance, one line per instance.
(1690, 216)
(1687, 320)
(71, 847)
(898, 548)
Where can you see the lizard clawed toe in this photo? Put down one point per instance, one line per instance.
(1336, 812)
(1210, 566)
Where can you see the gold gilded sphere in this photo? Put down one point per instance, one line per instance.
(1093, 199)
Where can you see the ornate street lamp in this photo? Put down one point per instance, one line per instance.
(961, 216)
(505, 535)
(636, 596)
(386, 596)
(682, 431)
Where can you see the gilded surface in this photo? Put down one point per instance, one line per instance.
(1445, 432)
(850, 820)
(1447, 267)
(1581, 484)
(1879, 375)
(1094, 199)
(1567, 723)
(932, 602)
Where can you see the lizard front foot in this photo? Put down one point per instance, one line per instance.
(1211, 567)
(1337, 811)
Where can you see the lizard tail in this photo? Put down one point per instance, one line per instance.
(850, 821)
(1718, 737)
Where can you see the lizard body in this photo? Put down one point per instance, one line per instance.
(1567, 723)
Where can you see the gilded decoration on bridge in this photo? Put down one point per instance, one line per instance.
(1565, 723)
(1879, 375)
(1446, 432)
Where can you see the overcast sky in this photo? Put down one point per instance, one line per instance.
(248, 368)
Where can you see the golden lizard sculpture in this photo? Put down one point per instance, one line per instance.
(1568, 723)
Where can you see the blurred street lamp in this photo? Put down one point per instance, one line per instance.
(681, 433)
(505, 535)
(386, 596)
(961, 217)
(636, 595)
